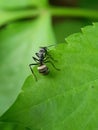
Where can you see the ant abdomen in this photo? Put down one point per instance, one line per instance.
(43, 69)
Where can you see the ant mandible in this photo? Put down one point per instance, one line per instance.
(42, 58)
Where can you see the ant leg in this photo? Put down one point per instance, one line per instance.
(49, 56)
(35, 59)
(30, 65)
(52, 64)
(37, 54)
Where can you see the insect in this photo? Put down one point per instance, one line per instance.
(43, 57)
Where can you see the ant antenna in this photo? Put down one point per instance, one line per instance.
(52, 45)
(49, 46)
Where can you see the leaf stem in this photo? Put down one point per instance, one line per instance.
(73, 12)
(8, 16)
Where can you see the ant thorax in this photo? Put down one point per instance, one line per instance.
(42, 53)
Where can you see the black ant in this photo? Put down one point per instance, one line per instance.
(42, 58)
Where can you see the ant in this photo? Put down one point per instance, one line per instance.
(42, 58)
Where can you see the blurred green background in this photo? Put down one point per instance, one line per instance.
(64, 26)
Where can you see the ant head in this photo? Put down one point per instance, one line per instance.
(43, 49)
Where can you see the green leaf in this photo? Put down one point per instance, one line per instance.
(10, 4)
(18, 42)
(65, 99)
